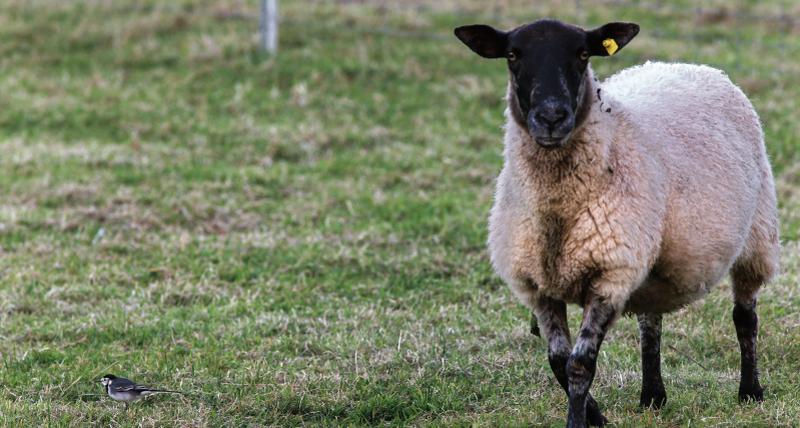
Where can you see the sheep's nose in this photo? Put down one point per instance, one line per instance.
(551, 117)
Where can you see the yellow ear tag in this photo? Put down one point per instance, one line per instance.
(610, 45)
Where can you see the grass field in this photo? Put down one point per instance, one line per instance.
(300, 240)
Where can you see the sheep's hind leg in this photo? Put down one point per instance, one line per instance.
(758, 263)
(746, 321)
(653, 393)
(552, 318)
(535, 325)
(748, 277)
(597, 318)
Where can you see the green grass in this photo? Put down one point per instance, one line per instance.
(300, 240)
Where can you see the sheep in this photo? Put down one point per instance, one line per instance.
(632, 196)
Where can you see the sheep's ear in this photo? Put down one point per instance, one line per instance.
(610, 38)
(484, 40)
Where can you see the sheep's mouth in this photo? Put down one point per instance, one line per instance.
(551, 142)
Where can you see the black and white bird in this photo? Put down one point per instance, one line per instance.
(126, 390)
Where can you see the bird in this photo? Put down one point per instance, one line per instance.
(125, 390)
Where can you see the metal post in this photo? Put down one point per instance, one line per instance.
(269, 25)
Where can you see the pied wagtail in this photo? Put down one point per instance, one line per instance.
(126, 390)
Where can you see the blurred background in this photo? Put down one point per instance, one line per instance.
(299, 237)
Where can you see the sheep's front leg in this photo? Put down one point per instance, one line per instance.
(552, 319)
(597, 318)
(653, 393)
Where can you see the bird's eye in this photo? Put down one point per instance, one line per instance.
(512, 56)
(584, 55)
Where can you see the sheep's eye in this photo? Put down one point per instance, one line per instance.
(584, 55)
(512, 56)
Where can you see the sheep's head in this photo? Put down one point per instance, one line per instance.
(547, 63)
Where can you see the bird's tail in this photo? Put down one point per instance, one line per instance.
(167, 391)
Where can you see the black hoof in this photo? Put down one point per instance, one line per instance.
(593, 415)
(751, 393)
(654, 399)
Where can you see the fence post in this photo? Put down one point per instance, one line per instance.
(269, 25)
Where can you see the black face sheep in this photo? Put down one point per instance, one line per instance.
(635, 195)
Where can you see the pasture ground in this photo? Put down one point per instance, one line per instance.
(300, 240)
